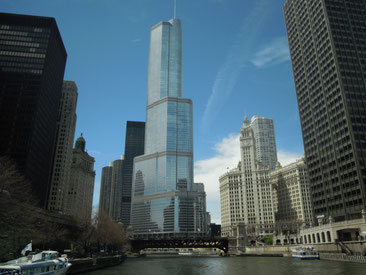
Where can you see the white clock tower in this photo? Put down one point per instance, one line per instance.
(256, 188)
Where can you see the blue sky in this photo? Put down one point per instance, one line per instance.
(235, 62)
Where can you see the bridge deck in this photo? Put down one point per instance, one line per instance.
(139, 244)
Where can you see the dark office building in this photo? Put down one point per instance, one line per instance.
(32, 64)
(134, 146)
(327, 41)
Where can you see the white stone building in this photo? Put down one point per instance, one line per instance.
(265, 141)
(257, 190)
(246, 192)
(63, 150)
(231, 199)
(291, 196)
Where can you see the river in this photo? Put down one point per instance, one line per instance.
(153, 265)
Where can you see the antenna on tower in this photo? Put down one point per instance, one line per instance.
(175, 9)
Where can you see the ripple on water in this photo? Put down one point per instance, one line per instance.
(230, 266)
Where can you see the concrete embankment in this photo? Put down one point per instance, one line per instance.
(90, 264)
(341, 257)
(268, 251)
(330, 252)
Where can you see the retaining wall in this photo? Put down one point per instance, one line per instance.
(90, 264)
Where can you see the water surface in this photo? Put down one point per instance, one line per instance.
(201, 265)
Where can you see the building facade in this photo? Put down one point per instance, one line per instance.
(291, 196)
(163, 177)
(116, 181)
(257, 190)
(115, 206)
(105, 189)
(231, 200)
(199, 203)
(63, 151)
(79, 198)
(32, 64)
(265, 141)
(134, 146)
(246, 194)
(328, 55)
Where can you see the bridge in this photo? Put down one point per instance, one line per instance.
(220, 243)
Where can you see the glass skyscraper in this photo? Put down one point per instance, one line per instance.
(163, 195)
(134, 146)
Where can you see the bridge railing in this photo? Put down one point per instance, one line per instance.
(140, 244)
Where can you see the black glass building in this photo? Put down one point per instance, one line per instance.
(32, 64)
(134, 146)
(327, 40)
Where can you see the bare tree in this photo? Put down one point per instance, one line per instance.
(83, 236)
(109, 235)
(18, 220)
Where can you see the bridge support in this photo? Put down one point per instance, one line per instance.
(238, 241)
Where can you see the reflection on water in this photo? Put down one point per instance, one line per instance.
(230, 265)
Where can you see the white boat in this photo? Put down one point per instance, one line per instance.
(305, 253)
(45, 263)
(186, 253)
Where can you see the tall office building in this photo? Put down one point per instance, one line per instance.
(105, 189)
(79, 197)
(163, 177)
(63, 151)
(328, 53)
(257, 190)
(115, 205)
(32, 64)
(265, 141)
(134, 146)
(246, 192)
(116, 181)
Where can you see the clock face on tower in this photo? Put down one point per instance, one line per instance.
(247, 142)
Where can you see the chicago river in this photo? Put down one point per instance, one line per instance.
(229, 265)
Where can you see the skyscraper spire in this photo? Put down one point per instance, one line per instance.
(175, 9)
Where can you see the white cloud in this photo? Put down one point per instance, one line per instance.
(276, 52)
(94, 152)
(227, 155)
(285, 157)
(209, 170)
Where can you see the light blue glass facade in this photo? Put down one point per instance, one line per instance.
(169, 126)
(165, 61)
(163, 199)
